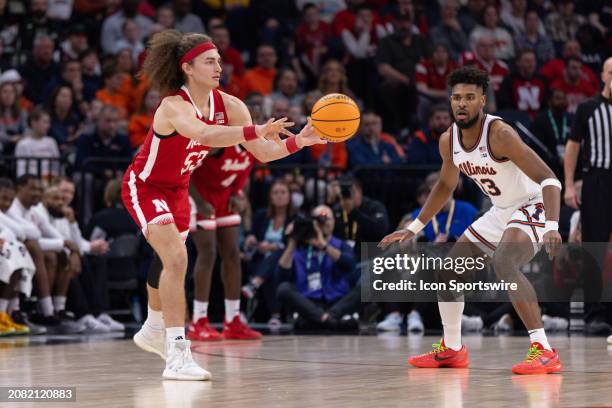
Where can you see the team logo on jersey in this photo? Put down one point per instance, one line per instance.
(160, 206)
(220, 118)
(471, 170)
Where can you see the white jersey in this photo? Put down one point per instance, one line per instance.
(501, 180)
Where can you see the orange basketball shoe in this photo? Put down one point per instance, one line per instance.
(203, 331)
(236, 330)
(539, 361)
(441, 356)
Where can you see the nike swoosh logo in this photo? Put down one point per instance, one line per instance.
(437, 358)
(456, 152)
(545, 361)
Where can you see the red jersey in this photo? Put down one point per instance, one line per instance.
(227, 170)
(169, 160)
(576, 94)
(428, 74)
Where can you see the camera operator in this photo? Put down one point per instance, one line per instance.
(316, 266)
(358, 218)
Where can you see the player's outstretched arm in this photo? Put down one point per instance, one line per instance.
(506, 143)
(177, 115)
(266, 150)
(439, 195)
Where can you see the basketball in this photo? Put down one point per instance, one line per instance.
(335, 117)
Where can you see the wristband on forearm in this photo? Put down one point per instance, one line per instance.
(415, 226)
(291, 144)
(249, 133)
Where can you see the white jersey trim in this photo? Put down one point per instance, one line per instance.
(211, 104)
(152, 156)
(135, 204)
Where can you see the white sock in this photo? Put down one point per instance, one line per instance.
(4, 305)
(539, 336)
(232, 309)
(200, 310)
(155, 319)
(59, 303)
(451, 313)
(14, 304)
(175, 333)
(46, 306)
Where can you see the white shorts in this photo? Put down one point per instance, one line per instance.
(486, 232)
(13, 257)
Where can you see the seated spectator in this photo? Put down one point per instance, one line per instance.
(76, 43)
(368, 148)
(318, 267)
(430, 78)
(551, 127)
(37, 145)
(470, 15)
(13, 120)
(39, 69)
(133, 86)
(333, 79)
(112, 93)
(92, 81)
(260, 78)
(165, 17)
(358, 218)
(424, 148)
(65, 120)
(72, 77)
(112, 25)
(449, 32)
(130, 40)
(490, 28)
(311, 40)
(553, 69)
(590, 39)
(35, 22)
(562, 24)
(574, 85)
(513, 16)
(141, 121)
(285, 87)
(185, 20)
(534, 39)
(232, 60)
(524, 89)
(13, 77)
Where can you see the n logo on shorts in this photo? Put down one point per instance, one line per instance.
(160, 206)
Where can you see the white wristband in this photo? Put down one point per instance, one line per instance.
(551, 182)
(551, 226)
(415, 226)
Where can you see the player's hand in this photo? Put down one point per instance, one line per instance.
(233, 204)
(552, 242)
(397, 236)
(308, 136)
(71, 246)
(205, 209)
(99, 246)
(272, 129)
(571, 197)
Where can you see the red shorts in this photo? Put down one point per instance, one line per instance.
(221, 217)
(150, 204)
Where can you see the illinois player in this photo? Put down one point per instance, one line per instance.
(525, 213)
(187, 69)
(218, 183)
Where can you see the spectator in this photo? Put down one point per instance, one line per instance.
(311, 39)
(285, 87)
(470, 15)
(60, 10)
(326, 8)
(130, 40)
(141, 121)
(590, 40)
(514, 16)
(255, 104)
(532, 38)
(232, 60)
(424, 148)
(553, 69)
(76, 43)
(318, 267)
(358, 219)
(430, 78)
(397, 57)
(113, 94)
(65, 120)
(574, 85)
(186, 21)
(90, 67)
(37, 144)
(504, 44)
(112, 28)
(562, 24)
(37, 24)
(260, 78)
(166, 18)
(345, 19)
(113, 221)
(39, 69)
(70, 76)
(13, 121)
(333, 79)
(552, 126)
(523, 90)
(368, 148)
(449, 31)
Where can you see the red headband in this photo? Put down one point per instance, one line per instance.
(197, 50)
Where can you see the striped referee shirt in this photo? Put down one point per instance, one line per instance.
(593, 128)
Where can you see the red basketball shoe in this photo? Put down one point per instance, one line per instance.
(236, 330)
(539, 361)
(203, 331)
(441, 356)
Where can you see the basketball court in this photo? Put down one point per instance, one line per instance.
(309, 371)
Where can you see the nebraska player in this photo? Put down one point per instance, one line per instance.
(217, 183)
(491, 153)
(155, 186)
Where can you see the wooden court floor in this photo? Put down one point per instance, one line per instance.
(313, 371)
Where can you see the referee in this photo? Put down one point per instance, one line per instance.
(593, 131)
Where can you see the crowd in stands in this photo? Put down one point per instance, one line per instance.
(72, 103)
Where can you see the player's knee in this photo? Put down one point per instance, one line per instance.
(504, 264)
(176, 264)
(207, 255)
(230, 252)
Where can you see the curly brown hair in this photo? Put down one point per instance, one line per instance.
(164, 51)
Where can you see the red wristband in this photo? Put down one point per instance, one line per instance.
(291, 144)
(249, 133)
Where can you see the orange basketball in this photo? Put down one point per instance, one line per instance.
(335, 117)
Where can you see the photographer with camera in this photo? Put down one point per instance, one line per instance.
(316, 266)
